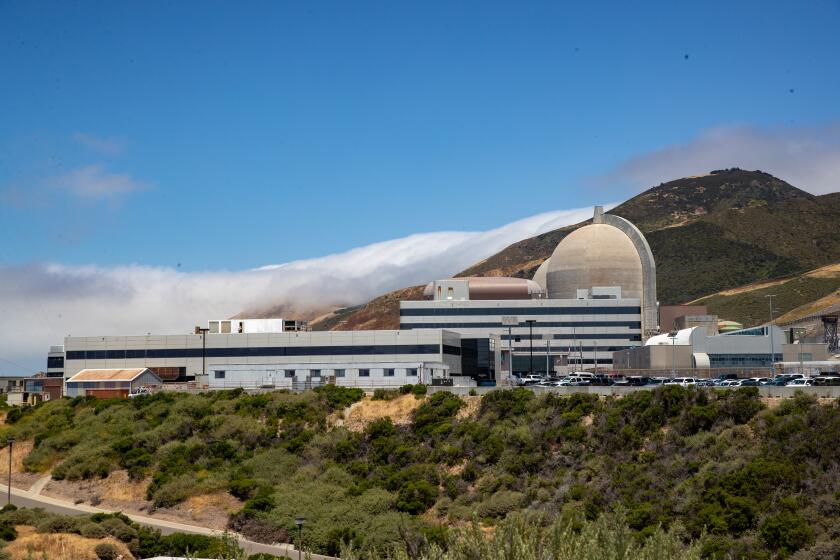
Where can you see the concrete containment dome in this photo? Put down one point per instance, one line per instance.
(540, 275)
(595, 255)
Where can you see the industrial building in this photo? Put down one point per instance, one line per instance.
(740, 351)
(362, 358)
(594, 296)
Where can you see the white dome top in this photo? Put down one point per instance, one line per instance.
(540, 274)
(595, 255)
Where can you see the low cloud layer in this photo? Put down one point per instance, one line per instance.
(807, 157)
(41, 303)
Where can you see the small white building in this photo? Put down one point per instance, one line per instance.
(299, 376)
(110, 383)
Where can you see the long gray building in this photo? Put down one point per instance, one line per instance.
(310, 355)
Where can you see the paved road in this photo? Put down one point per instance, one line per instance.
(31, 499)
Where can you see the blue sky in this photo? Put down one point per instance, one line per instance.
(233, 135)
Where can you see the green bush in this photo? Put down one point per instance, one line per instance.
(419, 390)
(415, 497)
(785, 532)
(107, 551)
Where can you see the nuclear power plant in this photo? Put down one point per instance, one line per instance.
(591, 306)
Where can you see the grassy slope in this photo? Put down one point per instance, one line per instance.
(707, 234)
(759, 481)
(796, 296)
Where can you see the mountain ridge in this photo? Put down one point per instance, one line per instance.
(708, 233)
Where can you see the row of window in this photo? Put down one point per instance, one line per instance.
(742, 360)
(260, 351)
(363, 372)
(99, 384)
(629, 324)
(55, 362)
(525, 311)
(570, 336)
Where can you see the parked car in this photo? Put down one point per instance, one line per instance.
(747, 383)
(826, 381)
(801, 382)
(139, 391)
(705, 383)
(600, 380)
(657, 381)
(634, 381)
(684, 381)
(762, 380)
(531, 379)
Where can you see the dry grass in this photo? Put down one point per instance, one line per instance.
(362, 413)
(120, 488)
(471, 408)
(58, 546)
(19, 451)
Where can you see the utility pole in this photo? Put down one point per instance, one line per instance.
(547, 354)
(11, 441)
(203, 332)
(770, 334)
(673, 337)
(531, 340)
(299, 521)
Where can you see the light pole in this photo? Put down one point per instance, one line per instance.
(11, 441)
(299, 521)
(547, 354)
(770, 334)
(510, 322)
(531, 341)
(673, 336)
(203, 332)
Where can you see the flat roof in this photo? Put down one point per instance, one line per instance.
(108, 374)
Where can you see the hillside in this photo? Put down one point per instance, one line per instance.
(710, 233)
(746, 480)
(795, 297)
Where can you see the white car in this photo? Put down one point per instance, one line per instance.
(139, 391)
(802, 382)
(684, 381)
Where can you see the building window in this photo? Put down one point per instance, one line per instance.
(389, 372)
(289, 373)
(339, 373)
(315, 373)
(411, 372)
(450, 293)
(364, 373)
(219, 374)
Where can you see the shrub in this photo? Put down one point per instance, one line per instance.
(500, 504)
(385, 394)
(91, 530)
(106, 551)
(785, 532)
(419, 390)
(416, 496)
(7, 532)
(406, 389)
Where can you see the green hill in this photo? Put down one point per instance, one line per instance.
(739, 478)
(711, 233)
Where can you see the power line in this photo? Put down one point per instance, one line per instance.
(25, 368)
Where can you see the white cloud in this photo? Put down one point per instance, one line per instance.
(807, 157)
(41, 303)
(106, 146)
(94, 182)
